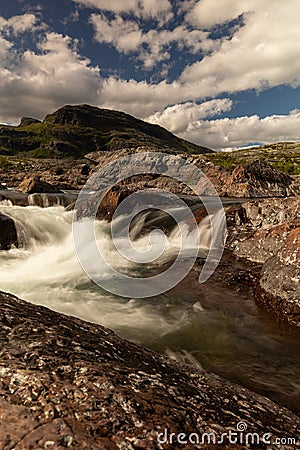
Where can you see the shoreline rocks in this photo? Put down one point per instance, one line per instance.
(34, 185)
(279, 284)
(69, 383)
(259, 179)
(268, 232)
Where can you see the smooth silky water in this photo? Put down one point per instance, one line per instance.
(207, 325)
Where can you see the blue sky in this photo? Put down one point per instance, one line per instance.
(221, 73)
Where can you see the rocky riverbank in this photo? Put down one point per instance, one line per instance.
(66, 383)
(268, 232)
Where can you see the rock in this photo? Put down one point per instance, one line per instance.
(85, 169)
(68, 383)
(257, 229)
(111, 201)
(264, 243)
(8, 232)
(279, 285)
(28, 121)
(267, 232)
(60, 149)
(259, 179)
(34, 184)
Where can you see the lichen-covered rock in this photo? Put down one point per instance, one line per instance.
(258, 228)
(265, 231)
(8, 232)
(66, 383)
(259, 179)
(279, 284)
(264, 243)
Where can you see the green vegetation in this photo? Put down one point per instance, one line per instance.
(8, 164)
(284, 156)
(74, 131)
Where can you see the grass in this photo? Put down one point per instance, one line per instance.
(284, 156)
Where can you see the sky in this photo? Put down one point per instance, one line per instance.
(219, 73)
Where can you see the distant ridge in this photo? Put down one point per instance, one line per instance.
(73, 131)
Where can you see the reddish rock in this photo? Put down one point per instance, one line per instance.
(66, 383)
(111, 201)
(34, 184)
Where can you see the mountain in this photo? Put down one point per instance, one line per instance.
(74, 131)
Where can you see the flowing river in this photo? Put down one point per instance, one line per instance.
(209, 325)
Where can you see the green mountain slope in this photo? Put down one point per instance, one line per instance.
(73, 131)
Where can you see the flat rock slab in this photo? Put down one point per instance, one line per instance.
(66, 383)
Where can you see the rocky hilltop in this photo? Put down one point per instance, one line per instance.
(73, 131)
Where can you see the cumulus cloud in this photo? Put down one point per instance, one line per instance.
(18, 24)
(38, 82)
(233, 133)
(262, 53)
(253, 55)
(177, 118)
(150, 47)
(147, 9)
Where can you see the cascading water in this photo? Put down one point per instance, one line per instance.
(222, 330)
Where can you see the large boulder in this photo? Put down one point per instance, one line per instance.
(8, 232)
(258, 228)
(267, 232)
(34, 184)
(279, 283)
(259, 179)
(68, 383)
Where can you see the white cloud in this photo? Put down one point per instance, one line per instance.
(232, 133)
(150, 47)
(206, 15)
(124, 35)
(18, 24)
(177, 118)
(264, 52)
(39, 82)
(154, 9)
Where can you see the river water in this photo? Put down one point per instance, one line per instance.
(207, 325)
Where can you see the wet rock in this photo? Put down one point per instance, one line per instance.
(110, 201)
(34, 184)
(66, 383)
(267, 231)
(8, 232)
(259, 179)
(279, 283)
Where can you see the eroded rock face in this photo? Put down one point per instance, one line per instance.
(68, 383)
(34, 185)
(257, 229)
(279, 284)
(259, 179)
(268, 232)
(8, 232)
